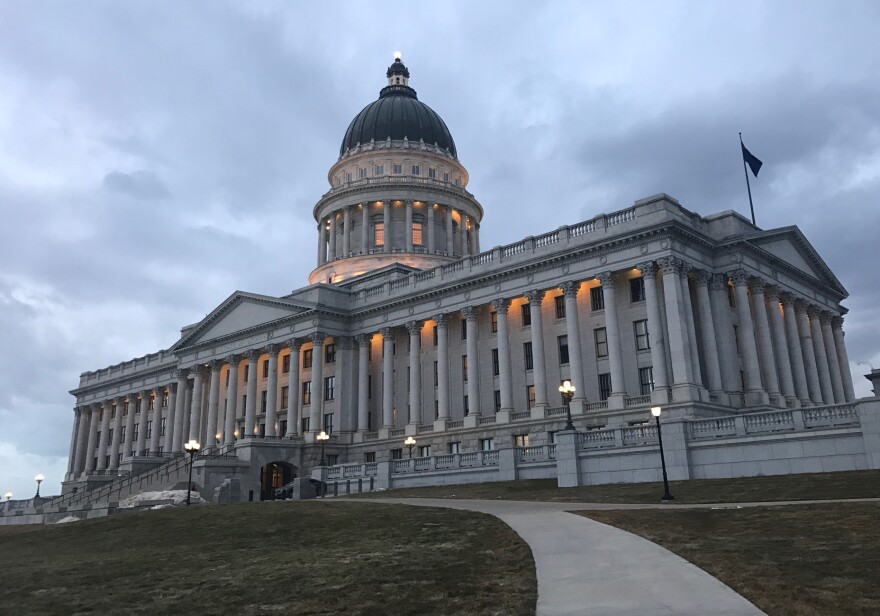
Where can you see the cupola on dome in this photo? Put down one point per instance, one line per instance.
(398, 114)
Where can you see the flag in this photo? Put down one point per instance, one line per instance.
(751, 160)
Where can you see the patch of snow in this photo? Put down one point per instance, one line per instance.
(177, 497)
(70, 518)
(166, 506)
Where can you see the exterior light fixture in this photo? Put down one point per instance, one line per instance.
(39, 479)
(655, 411)
(567, 390)
(7, 496)
(410, 442)
(192, 448)
(323, 437)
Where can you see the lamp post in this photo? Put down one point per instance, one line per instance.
(8, 496)
(410, 442)
(192, 448)
(655, 411)
(323, 437)
(39, 479)
(567, 390)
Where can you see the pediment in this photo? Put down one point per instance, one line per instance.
(790, 246)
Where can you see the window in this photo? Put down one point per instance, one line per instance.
(453, 447)
(436, 375)
(285, 364)
(597, 299)
(379, 231)
(379, 170)
(526, 312)
(149, 434)
(736, 339)
(731, 296)
(465, 405)
(604, 386)
(348, 177)
(560, 306)
(332, 459)
(329, 388)
(520, 440)
(247, 371)
(397, 454)
(432, 173)
(369, 457)
(112, 412)
(646, 381)
(110, 436)
(362, 173)
(150, 406)
(416, 170)
(122, 434)
(164, 400)
(464, 369)
(265, 368)
(435, 335)
(527, 354)
(307, 358)
(487, 444)
(243, 404)
(162, 423)
(495, 367)
(369, 386)
(551, 437)
(464, 329)
(307, 392)
(328, 423)
(329, 353)
(530, 396)
(640, 328)
(263, 399)
(562, 343)
(494, 321)
(601, 339)
(397, 169)
(227, 376)
(304, 422)
(497, 400)
(134, 433)
(417, 233)
(445, 177)
(285, 395)
(637, 289)
(424, 451)
(125, 409)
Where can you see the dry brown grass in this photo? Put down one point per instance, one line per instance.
(279, 558)
(804, 560)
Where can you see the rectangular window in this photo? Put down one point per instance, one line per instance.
(416, 170)
(307, 392)
(285, 396)
(264, 396)
(379, 170)
(453, 447)
(445, 177)
(496, 370)
(497, 400)
(464, 369)
(285, 364)
(494, 321)
(397, 169)
(379, 232)
(417, 233)
(162, 423)
(601, 339)
(527, 355)
(646, 381)
(122, 434)
(227, 376)
(149, 434)
(530, 396)
(150, 405)
(465, 405)
(348, 177)
(640, 329)
(435, 335)
(247, 371)
(307, 359)
(464, 329)
(432, 173)
(164, 400)
(397, 454)
(597, 299)
(487, 444)
(436, 375)
(369, 386)
(736, 339)
(526, 312)
(110, 436)
(265, 368)
(329, 353)
(731, 296)
(562, 343)
(328, 423)
(332, 459)
(604, 386)
(362, 173)
(637, 289)
(134, 432)
(243, 404)
(560, 306)
(112, 412)
(424, 451)
(304, 423)
(520, 440)
(329, 388)
(369, 457)
(282, 427)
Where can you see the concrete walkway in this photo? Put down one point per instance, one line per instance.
(585, 567)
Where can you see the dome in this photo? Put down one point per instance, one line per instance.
(398, 113)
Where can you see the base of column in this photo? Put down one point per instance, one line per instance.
(757, 397)
(470, 421)
(617, 402)
(660, 395)
(686, 392)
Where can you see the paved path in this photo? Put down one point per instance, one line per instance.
(585, 567)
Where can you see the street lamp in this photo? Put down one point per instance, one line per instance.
(567, 390)
(192, 448)
(39, 479)
(323, 437)
(410, 442)
(655, 411)
(8, 495)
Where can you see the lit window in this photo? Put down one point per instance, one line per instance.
(417, 233)
(307, 392)
(520, 440)
(307, 358)
(530, 396)
(380, 234)
(285, 364)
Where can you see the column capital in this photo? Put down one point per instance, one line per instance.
(685, 268)
(703, 277)
(180, 373)
(146, 393)
(813, 311)
(501, 305)
(295, 344)
(440, 320)
(120, 400)
(159, 389)
(647, 268)
(470, 313)
(837, 321)
(740, 277)
(534, 296)
(570, 288)
(771, 293)
(318, 338)
(344, 342)
(387, 333)
(800, 305)
(232, 360)
(252, 355)
(273, 349)
(606, 279)
(363, 339)
(825, 317)
(670, 264)
(757, 286)
(414, 327)
(786, 298)
(215, 364)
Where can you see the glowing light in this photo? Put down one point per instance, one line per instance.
(397, 55)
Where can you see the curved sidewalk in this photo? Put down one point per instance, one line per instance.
(586, 567)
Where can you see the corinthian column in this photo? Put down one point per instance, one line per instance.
(505, 377)
(333, 253)
(117, 434)
(795, 353)
(655, 333)
(442, 366)
(157, 420)
(679, 347)
(821, 356)
(473, 366)
(842, 359)
(387, 377)
(179, 411)
(724, 338)
(806, 338)
(707, 333)
(539, 371)
(346, 234)
(573, 331)
(415, 378)
(293, 418)
(780, 345)
(102, 442)
(831, 353)
(316, 411)
(212, 429)
(764, 341)
(450, 240)
(94, 426)
(755, 394)
(195, 412)
(363, 409)
(250, 403)
(272, 385)
(141, 449)
(82, 438)
(127, 445)
(688, 309)
(612, 334)
(231, 399)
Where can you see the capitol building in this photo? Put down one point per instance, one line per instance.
(409, 327)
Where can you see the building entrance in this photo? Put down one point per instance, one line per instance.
(275, 475)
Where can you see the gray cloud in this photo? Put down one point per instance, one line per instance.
(139, 184)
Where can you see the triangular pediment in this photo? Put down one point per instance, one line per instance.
(239, 313)
(790, 245)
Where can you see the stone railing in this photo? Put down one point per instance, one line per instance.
(486, 421)
(839, 415)
(594, 439)
(396, 432)
(774, 421)
(554, 412)
(639, 435)
(535, 453)
(596, 406)
(457, 423)
(423, 429)
(520, 415)
(445, 462)
(637, 401)
(371, 436)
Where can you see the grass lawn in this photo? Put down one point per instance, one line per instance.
(270, 558)
(808, 560)
(818, 486)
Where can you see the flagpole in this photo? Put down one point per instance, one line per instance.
(748, 186)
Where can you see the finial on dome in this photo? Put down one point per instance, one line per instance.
(398, 74)
(397, 56)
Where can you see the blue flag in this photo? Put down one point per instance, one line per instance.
(751, 160)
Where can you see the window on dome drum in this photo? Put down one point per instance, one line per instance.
(369, 457)
(397, 169)
(637, 289)
(646, 381)
(494, 316)
(307, 392)
(527, 355)
(307, 358)
(445, 177)
(495, 364)
(487, 444)
(560, 306)
(415, 170)
(417, 233)
(604, 386)
(562, 343)
(464, 367)
(285, 393)
(520, 440)
(640, 328)
(432, 173)
(348, 177)
(454, 447)
(526, 312)
(362, 173)
(601, 340)
(329, 388)
(397, 454)
(285, 364)
(328, 423)
(263, 399)
(530, 396)
(497, 394)
(265, 368)
(597, 299)
(329, 353)
(379, 231)
(457, 182)
(379, 170)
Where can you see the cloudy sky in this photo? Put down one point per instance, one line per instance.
(156, 156)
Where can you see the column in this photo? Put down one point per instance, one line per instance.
(475, 238)
(764, 340)
(179, 411)
(105, 429)
(831, 354)
(430, 229)
(82, 439)
(363, 409)
(724, 337)
(539, 373)
(780, 345)
(450, 232)
(409, 224)
(365, 241)
(346, 238)
(90, 452)
(195, 413)
(842, 358)
(143, 411)
(117, 434)
(187, 404)
(250, 405)
(442, 366)
(387, 376)
(293, 420)
(157, 420)
(317, 401)
(272, 384)
(168, 444)
(688, 308)
(386, 220)
(127, 444)
(707, 333)
(231, 399)
(573, 331)
(655, 330)
(504, 377)
(71, 451)
(213, 406)
(795, 353)
(755, 394)
(821, 356)
(809, 355)
(332, 254)
(415, 377)
(473, 365)
(322, 242)
(463, 235)
(612, 334)
(678, 342)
